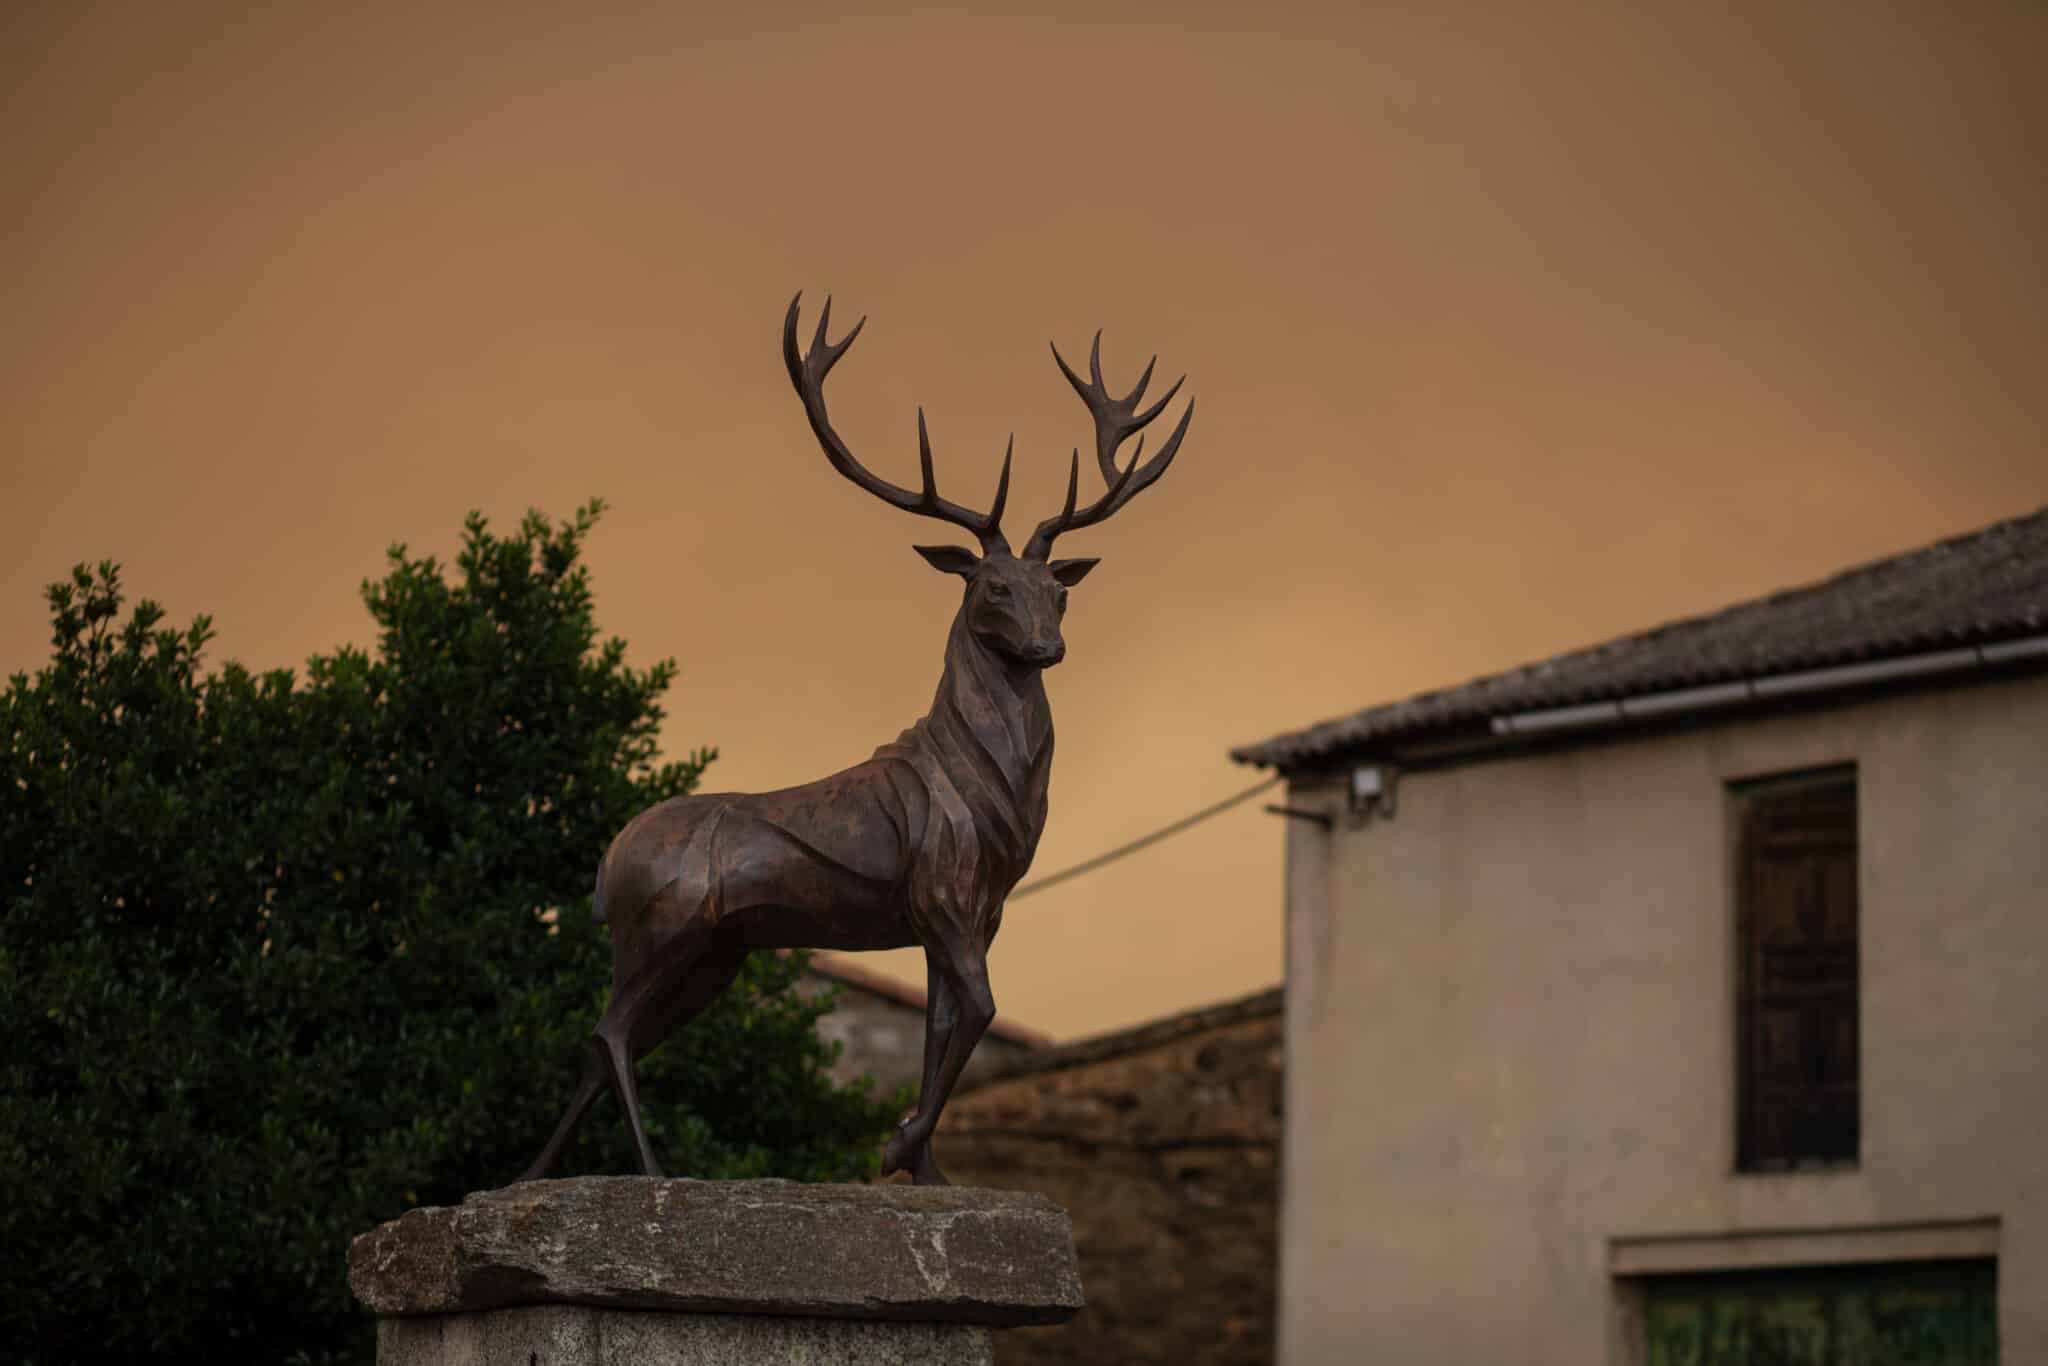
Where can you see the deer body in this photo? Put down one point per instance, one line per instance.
(919, 844)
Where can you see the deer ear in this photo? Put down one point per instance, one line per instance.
(1071, 572)
(949, 559)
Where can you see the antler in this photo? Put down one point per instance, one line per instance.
(1116, 420)
(807, 370)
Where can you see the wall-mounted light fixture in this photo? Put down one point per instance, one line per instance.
(1372, 792)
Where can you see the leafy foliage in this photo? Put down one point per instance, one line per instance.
(282, 957)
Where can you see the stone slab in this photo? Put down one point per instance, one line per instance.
(573, 1335)
(937, 1254)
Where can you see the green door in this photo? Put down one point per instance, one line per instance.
(1918, 1314)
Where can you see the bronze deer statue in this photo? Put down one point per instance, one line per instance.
(919, 845)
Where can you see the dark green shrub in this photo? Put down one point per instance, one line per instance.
(284, 956)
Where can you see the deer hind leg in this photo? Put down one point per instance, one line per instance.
(587, 1092)
(613, 1047)
(654, 1006)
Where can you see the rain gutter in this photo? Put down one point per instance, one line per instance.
(1684, 701)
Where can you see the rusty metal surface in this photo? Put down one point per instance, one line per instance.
(918, 845)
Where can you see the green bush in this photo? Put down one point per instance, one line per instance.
(283, 957)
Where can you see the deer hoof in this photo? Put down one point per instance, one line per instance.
(896, 1153)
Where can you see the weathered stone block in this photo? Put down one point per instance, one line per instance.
(932, 1254)
(574, 1335)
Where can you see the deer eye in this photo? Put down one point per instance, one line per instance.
(998, 591)
(1059, 603)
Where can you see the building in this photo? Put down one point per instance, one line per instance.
(1685, 998)
(878, 1023)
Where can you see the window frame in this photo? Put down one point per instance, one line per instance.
(1754, 1153)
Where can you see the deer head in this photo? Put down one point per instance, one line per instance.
(1013, 602)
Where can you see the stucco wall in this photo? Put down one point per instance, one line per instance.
(1511, 1026)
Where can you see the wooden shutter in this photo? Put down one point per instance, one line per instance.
(1797, 1007)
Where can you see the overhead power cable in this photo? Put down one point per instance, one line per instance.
(1090, 865)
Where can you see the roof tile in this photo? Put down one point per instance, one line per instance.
(1986, 586)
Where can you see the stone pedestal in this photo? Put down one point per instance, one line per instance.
(624, 1270)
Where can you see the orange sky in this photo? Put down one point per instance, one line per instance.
(1508, 333)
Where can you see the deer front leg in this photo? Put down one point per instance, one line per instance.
(973, 1007)
(939, 1018)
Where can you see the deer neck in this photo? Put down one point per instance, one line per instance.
(991, 727)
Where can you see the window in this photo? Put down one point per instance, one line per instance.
(1796, 1008)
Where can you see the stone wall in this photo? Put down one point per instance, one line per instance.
(1162, 1143)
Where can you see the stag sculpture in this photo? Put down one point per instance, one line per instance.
(920, 844)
